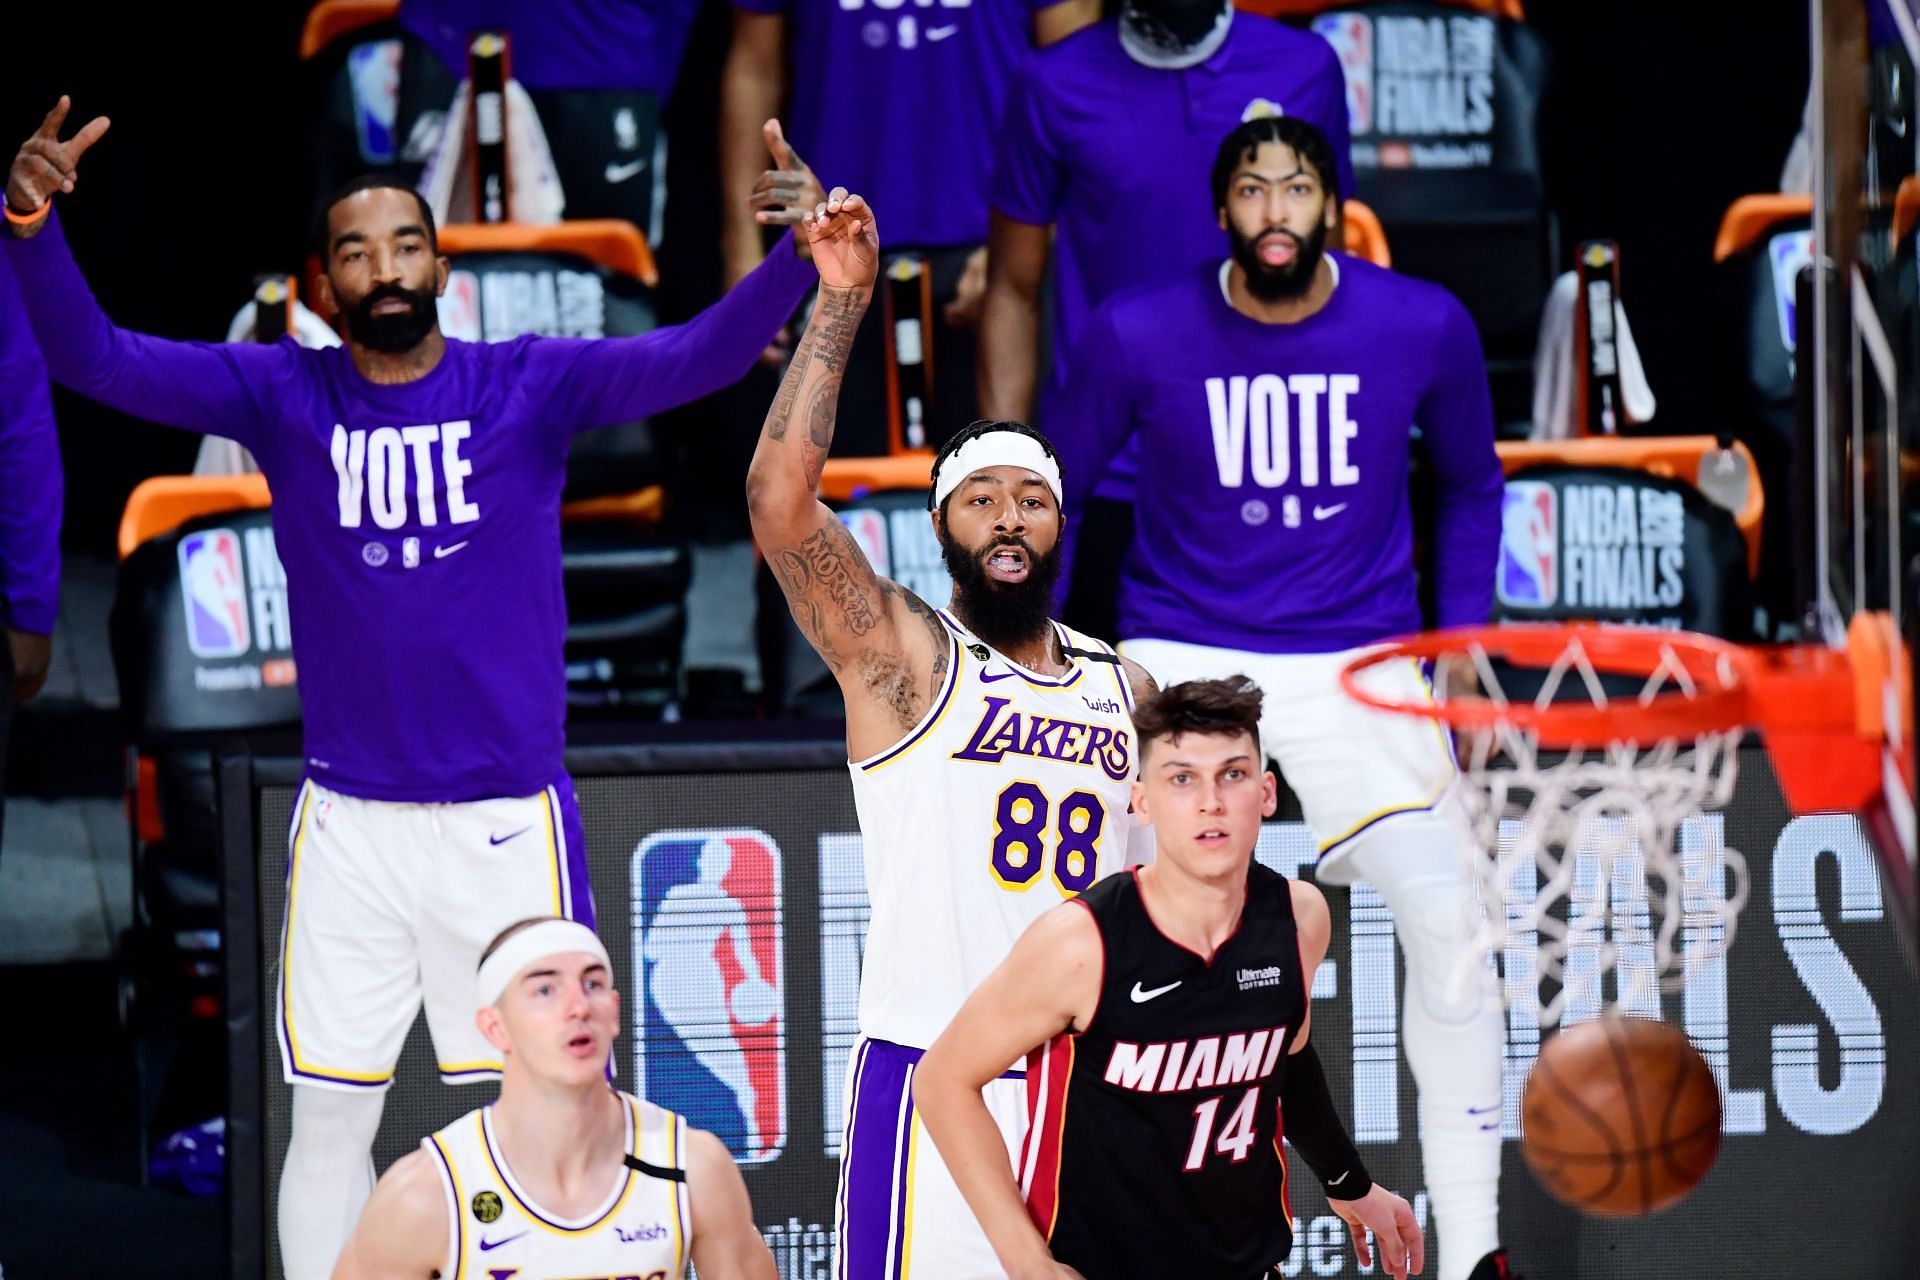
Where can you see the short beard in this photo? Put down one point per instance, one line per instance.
(1005, 615)
(1280, 284)
(393, 334)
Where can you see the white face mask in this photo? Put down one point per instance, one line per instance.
(1151, 50)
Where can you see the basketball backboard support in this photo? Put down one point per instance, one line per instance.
(1857, 306)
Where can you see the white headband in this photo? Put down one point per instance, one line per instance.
(535, 942)
(996, 449)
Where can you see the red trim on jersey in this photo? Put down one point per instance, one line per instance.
(1280, 1150)
(1046, 1125)
(1171, 941)
(1101, 986)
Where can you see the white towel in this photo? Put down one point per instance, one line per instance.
(534, 196)
(1556, 366)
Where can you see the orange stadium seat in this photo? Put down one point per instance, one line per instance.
(614, 244)
(1365, 237)
(161, 504)
(1751, 217)
(331, 19)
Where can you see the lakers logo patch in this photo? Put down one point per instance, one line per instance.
(486, 1206)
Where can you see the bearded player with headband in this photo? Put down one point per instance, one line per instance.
(991, 749)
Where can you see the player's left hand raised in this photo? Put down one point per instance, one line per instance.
(1396, 1233)
(845, 241)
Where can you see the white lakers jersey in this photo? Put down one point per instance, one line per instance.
(1007, 798)
(499, 1233)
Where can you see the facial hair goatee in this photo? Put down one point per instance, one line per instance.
(398, 333)
(1005, 615)
(1279, 284)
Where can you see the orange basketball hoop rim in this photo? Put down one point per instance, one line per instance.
(1831, 719)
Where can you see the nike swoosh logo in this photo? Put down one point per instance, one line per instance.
(510, 835)
(1334, 1182)
(441, 553)
(940, 33)
(1141, 997)
(617, 173)
(1321, 513)
(486, 1244)
(987, 677)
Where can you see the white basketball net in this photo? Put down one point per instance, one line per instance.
(1574, 858)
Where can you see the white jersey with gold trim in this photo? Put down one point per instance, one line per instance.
(1008, 797)
(499, 1233)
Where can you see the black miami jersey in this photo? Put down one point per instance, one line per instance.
(1154, 1148)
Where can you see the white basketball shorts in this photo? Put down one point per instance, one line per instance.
(1352, 766)
(389, 904)
(899, 1214)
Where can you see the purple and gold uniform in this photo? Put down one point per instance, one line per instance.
(1010, 795)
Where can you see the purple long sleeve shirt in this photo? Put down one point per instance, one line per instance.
(31, 486)
(1277, 518)
(419, 523)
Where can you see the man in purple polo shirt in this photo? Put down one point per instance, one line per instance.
(918, 139)
(30, 496)
(1109, 134)
(1275, 540)
(417, 490)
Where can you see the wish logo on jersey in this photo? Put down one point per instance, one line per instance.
(709, 1023)
(214, 590)
(1529, 545)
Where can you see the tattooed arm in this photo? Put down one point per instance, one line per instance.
(885, 646)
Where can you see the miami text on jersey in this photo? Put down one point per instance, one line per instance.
(1179, 1065)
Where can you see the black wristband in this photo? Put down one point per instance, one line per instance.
(1311, 1124)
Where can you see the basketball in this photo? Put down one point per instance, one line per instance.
(1622, 1117)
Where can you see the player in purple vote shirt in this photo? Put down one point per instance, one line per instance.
(1275, 540)
(1107, 136)
(918, 137)
(30, 498)
(417, 485)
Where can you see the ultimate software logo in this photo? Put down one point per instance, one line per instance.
(710, 1040)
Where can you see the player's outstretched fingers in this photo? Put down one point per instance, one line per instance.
(778, 147)
(1412, 1236)
(50, 125)
(1361, 1252)
(90, 133)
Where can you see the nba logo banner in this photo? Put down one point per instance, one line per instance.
(1529, 577)
(709, 1020)
(1351, 35)
(213, 589)
(869, 530)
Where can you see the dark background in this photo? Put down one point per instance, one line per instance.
(1659, 115)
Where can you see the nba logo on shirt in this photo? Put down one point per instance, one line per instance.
(214, 590)
(1529, 545)
(1351, 36)
(709, 1016)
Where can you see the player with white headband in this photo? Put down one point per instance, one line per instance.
(991, 749)
(563, 1175)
